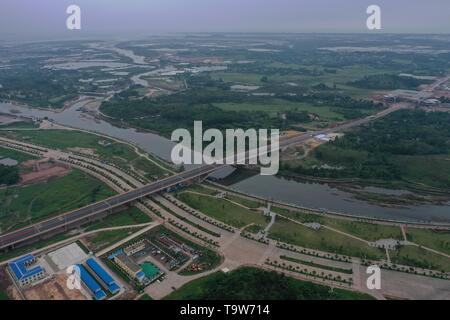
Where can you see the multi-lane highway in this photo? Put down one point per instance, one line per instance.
(71, 218)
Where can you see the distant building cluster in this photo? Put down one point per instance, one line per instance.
(413, 96)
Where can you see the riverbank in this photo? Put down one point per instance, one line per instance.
(410, 193)
(325, 213)
(307, 194)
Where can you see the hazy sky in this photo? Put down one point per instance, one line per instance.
(46, 18)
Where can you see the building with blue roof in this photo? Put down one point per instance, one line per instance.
(91, 284)
(26, 271)
(140, 276)
(103, 275)
(100, 295)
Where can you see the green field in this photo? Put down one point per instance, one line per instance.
(222, 210)
(433, 239)
(130, 216)
(364, 230)
(342, 76)
(253, 204)
(16, 155)
(418, 257)
(254, 284)
(120, 154)
(21, 206)
(199, 188)
(105, 238)
(20, 125)
(323, 239)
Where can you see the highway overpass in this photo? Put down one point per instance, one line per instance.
(73, 218)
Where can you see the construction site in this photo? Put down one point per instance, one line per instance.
(67, 273)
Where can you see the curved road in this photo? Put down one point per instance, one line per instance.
(72, 217)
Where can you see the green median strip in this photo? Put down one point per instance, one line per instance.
(316, 265)
(195, 225)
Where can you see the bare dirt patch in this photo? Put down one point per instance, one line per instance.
(87, 151)
(53, 289)
(34, 171)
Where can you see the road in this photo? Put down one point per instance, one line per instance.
(75, 216)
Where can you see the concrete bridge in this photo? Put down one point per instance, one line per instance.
(64, 221)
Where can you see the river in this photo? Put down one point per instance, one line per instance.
(324, 196)
(73, 117)
(314, 195)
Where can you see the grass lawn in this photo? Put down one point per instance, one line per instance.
(127, 217)
(147, 167)
(254, 284)
(105, 238)
(340, 78)
(16, 155)
(364, 230)
(223, 210)
(433, 239)
(119, 153)
(254, 204)
(418, 257)
(323, 239)
(29, 204)
(199, 188)
(20, 125)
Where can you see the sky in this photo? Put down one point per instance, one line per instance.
(47, 18)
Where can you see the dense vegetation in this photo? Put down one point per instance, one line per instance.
(9, 175)
(40, 88)
(166, 113)
(389, 149)
(254, 284)
(388, 82)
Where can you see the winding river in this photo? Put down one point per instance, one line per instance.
(313, 195)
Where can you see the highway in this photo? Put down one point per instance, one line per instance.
(72, 217)
(101, 206)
